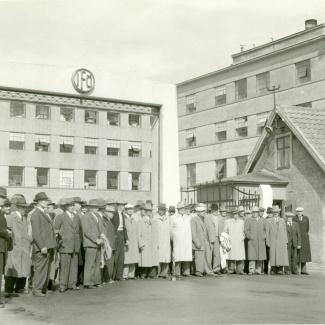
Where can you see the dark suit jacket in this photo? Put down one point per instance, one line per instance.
(109, 231)
(69, 231)
(42, 230)
(293, 234)
(91, 228)
(3, 233)
(116, 223)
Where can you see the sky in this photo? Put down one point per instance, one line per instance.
(161, 40)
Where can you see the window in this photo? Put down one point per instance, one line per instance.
(261, 121)
(113, 180)
(134, 149)
(66, 178)
(17, 110)
(16, 176)
(221, 95)
(153, 119)
(134, 181)
(241, 164)
(42, 177)
(90, 116)
(42, 112)
(16, 141)
(262, 83)
(191, 174)
(308, 104)
(91, 146)
(42, 142)
(134, 120)
(90, 179)
(113, 119)
(221, 168)
(241, 127)
(303, 72)
(221, 131)
(113, 147)
(283, 151)
(66, 144)
(241, 89)
(191, 103)
(190, 138)
(66, 114)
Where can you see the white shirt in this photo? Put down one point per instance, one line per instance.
(70, 215)
(120, 227)
(19, 214)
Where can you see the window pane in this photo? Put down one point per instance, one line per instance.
(66, 178)
(303, 72)
(113, 118)
(17, 110)
(41, 177)
(191, 103)
(16, 176)
(90, 179)
(66, 114)
(42, 112)
(91, 116)
(112, 180)
(241, 89)
(134, 120)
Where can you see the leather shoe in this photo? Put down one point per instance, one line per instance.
(39, 295)
(198, 274)
(90, 287)
(62, 290)
(305, 273)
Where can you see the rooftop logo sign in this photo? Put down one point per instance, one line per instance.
(83, 81)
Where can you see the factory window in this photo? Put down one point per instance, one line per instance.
(113, 118)
(241, 164)
(241, 127)
(307, 104)
(134, 181)
(134, 149)
(190, 138)
(16, 141)
(42, 142)
(16, 176)
(66, 178)
(241, 89)
(90, 116)
(191, 174)
(303, 72)
(262, 83)
(113, 147)
(221, 131)
(42, 112)
(134, 120)
(221, 95)
(221, 168)
(191, 103)
(91, 146)
(90, 179)
(17, 110)
(261, 121)
(113, 180)
(42, 177)
(283, 151)
(66, 114)
(66, 144)
(153, 119)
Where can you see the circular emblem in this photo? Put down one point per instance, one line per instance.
(83, 81)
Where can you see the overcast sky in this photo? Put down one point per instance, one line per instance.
(166, 41)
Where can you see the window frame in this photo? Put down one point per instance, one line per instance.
(221, 95)
(260, 124)
(222, 169)
(37, 183)
(13, 144)
(133, 186)
(133, 150)
(88, 119)
(87, 178)
(22, 176)
(39, 107)
(91, 146)
(190, 103)
(190, 179)
(42, 144)
(237, 165)
(244, 125)
(69, 145)
(63, 116)
(191, 138)
(112, 187)
(283, 136)
(61, 177)
(220, 127)
(13, 108)
(300, 67)
(114, 146)
(238, 87)
(118, 118)
(138, 122)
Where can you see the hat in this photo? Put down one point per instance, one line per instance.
(180, 205)
(256, 209)
(241, 208)
(149, 202)
(269, 210)
(110, 201)
(300, 209)
(101, 203)
(83, 203)
(20, 201)
(40, 196)
(6, 202)
(66, 202)
(148, 206)
(201, 207)
(223, 209)
(214, 206)
(93, 203)
(3, 192)
(50, 203)
(139, 202)
(233, 210)
(171, 208)
(248, 211)
(129, 206)
(261, 209)
(162, 206)
(276, 208)
(142, 206)
(110, 208)
(289, 214)
(77, 199)
(121, 202)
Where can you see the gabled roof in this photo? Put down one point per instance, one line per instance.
(306, 123)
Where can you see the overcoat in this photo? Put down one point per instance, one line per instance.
(199, 233)
(148, 239)
(276, 239)
(255, 232)
(235, 230)
(91, 228)
(110, 232)
(69, 231)
(304, 254)
(131, 253)
(293, 234)
(19, 262)
(180, 228)
(215, 226)
(163, 225)
(3, 233)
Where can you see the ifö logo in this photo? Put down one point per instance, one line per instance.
(83, 81)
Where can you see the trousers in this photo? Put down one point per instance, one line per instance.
(150, 272)
(255, 266)
(108, 268)
(235, 266)
(182, 266)
(164, 270)
(13, 284)
(42, 269)
(292, 257)
(92, 274)
(119, 256)
(2, 266)
(69, 270)
(129, 271)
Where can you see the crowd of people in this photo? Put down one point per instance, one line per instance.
(46, 246)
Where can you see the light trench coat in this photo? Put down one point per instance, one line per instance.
(19, 262)
(235, 230)
(181, 235)
(163, 223)
(131, 254)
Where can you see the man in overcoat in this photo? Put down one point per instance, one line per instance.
(276, 240)
(68, 227)
(266, 262)
(304, 253)
(255, 233)
(44, 242)
(294, 243)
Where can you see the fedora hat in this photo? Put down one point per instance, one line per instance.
(121, 202)
(214, 206)
(77, 199)
(256, 209)
(275, 208)
(171, 208)
(93, 203)
(180, 205)
(129, 206)
(40, 196)
(300, 209)
(200, 207)
(234, 210)
(261, 209)
(241, 208)
(3, 192)
(149, 202)
(20, 201)
(247, 211)
(289, 214)
(110, 208)
(269, 210)
(139, 202)
(101, 203)
(223, 209)
(66, 202)
(110, 202)
(148, 206)
(6, 202)
(162, 206)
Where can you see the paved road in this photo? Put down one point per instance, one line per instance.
(229, 299)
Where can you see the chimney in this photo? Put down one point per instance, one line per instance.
(310, 23)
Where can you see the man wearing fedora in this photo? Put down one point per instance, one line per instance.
(68, 227)
(304, 253)
(277, 240)
(44, 243)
